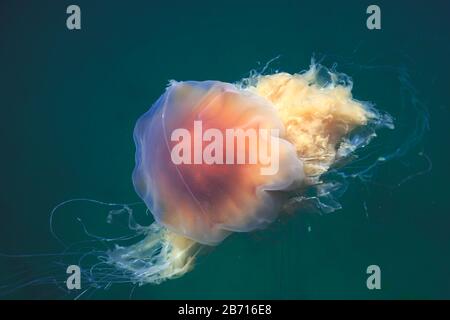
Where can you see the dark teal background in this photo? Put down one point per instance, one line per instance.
(69, 101)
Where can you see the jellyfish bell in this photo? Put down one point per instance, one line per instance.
(206, 201)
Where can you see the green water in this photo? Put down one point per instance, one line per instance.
(69, 101)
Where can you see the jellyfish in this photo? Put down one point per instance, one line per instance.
(306, 119)
(215, 158)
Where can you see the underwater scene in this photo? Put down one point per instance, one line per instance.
(158, 150)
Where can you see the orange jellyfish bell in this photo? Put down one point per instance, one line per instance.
(210, 159)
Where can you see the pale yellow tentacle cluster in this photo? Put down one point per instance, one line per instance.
(316, 117)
